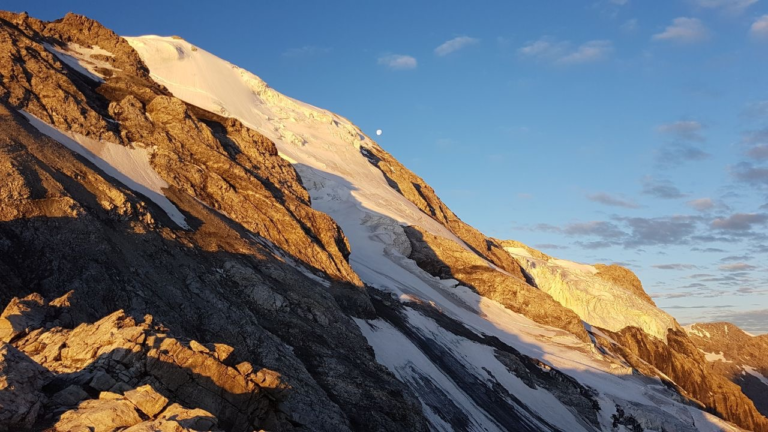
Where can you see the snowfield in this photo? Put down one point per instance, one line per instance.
(325, 150)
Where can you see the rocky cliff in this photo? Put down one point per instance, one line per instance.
(739, 357)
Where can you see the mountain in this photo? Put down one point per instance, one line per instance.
(736, 355)
(184, 248)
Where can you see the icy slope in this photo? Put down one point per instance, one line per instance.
(597, 301)
(325, 149)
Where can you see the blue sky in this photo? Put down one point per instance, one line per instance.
(598, 131)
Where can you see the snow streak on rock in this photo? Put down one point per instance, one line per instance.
(130, 166)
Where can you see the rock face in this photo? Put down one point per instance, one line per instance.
(735, 355)
(202, 281)
(623, 278)
(258, 269)
(685, 365)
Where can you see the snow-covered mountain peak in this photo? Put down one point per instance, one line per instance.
(324, 147)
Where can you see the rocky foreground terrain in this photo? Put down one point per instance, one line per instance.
(184, 248)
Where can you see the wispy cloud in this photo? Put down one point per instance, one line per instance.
(684, 30)
(684, 130)
(550, 246)
(756, 109)
(602, 229)
(674, 154)
(630, 232)
(682, 134)
(306, 51)
(398, 61)
(757, 143)
(630, 26)
(740, 221)
(588, 52)
(564, 53)
(759, 28)
(701, 204)
(730, 6)
(609, 8)
(661, 189)
(609, 200)
(675, 266)
(455, 44)
(747, 173)
(733, 258)
(659, 230)
(737, 267)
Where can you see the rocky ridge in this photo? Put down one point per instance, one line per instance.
(739, 357)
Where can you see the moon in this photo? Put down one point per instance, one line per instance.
(378, 131)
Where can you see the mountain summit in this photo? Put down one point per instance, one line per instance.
(184, 248)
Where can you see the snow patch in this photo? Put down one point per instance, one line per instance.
(695, 329)
(129, 166)
(574, 266)
(713, 357)
(518, 251)
(82, 59)
(755, 373)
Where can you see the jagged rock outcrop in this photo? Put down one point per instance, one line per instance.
(740, 357)
(258, 269)
(417, 191)
(446, 259)
(624, 278)
(679, 360)
(119, 373)
(648, 339)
